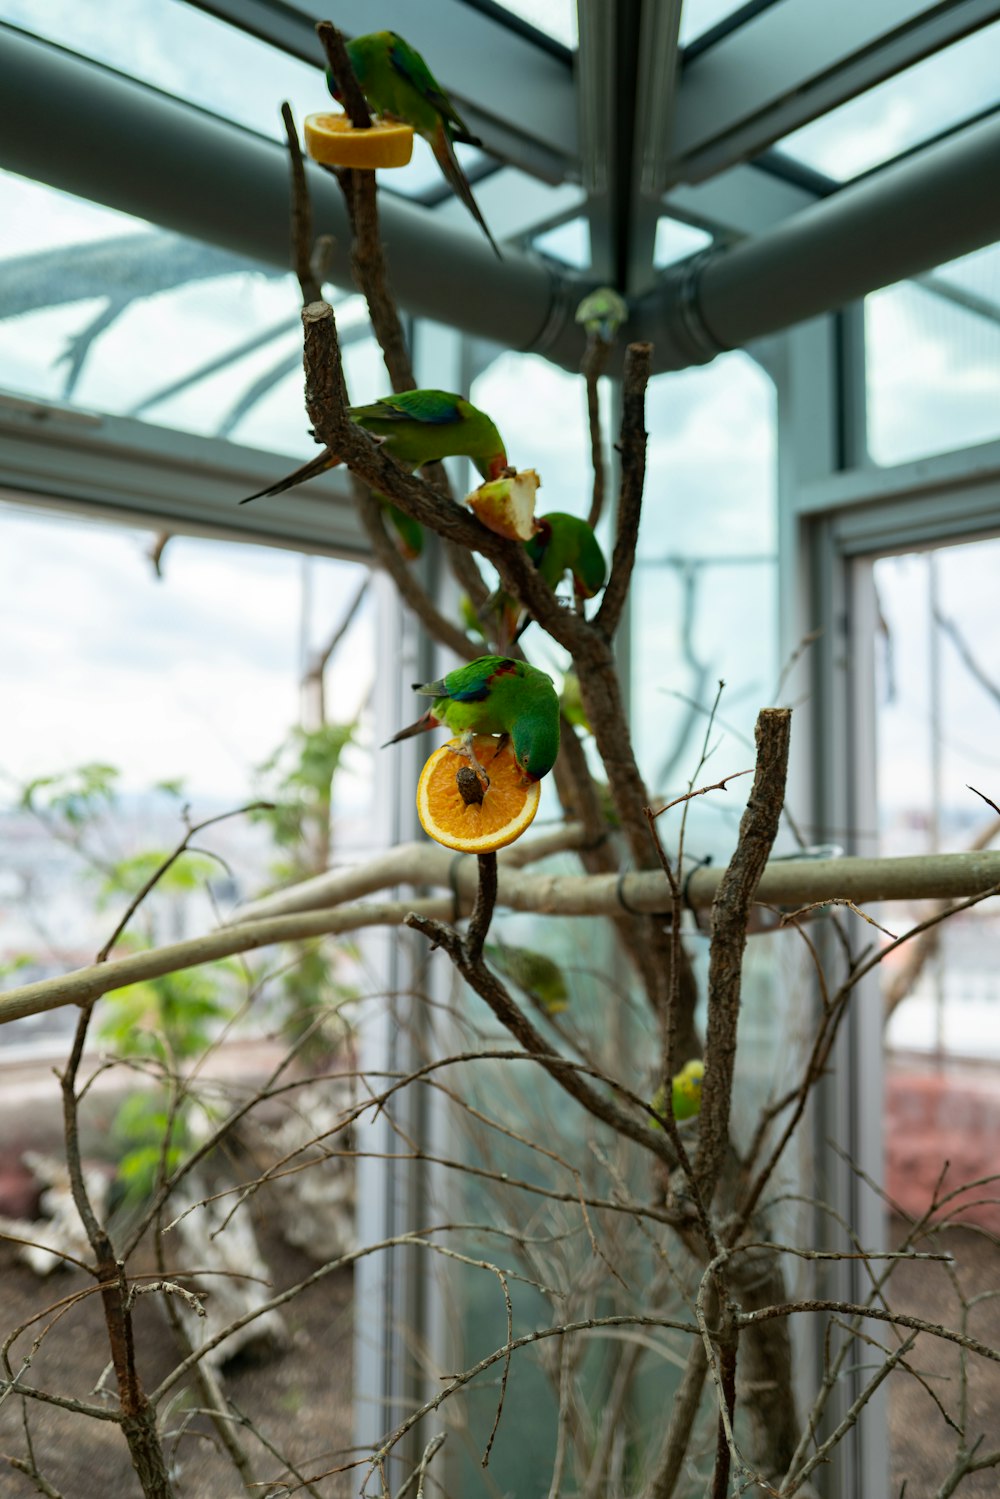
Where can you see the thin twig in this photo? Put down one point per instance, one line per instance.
(730, 918)
(635, 377)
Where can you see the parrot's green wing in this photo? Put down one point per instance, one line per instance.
(540, 978)
(467, 684)
(414, 71)
(564, 543)
(410, 533)
(571, 703)
(435, 407)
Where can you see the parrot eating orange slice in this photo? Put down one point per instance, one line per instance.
(475, 827)
(333, 140)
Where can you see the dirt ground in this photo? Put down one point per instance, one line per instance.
(299, 1398)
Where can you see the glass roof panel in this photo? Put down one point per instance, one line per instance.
(184, 52)
(153, 325)
(556, 18)
(700, 16)
(568, 243)
(676, 240)
(932, 96)
(512, 203)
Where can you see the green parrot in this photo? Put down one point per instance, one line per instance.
(470, 621)
(602, 313)
(539, 977)
(562, 544)
(496, 695)
(685, 1093)
(399, 85)
(417, 427)
(409, 532)
(571, 703)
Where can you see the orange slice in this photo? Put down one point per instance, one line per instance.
(333, 140)
(507, 808)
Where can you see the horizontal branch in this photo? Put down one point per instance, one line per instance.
(303, 911)
(785, 882)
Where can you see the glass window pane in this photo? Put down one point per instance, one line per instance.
(704, 605)
(937, 718)
(933, 360)
(914, 106)
(152, 324)
(194, 677)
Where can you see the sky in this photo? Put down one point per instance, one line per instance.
(192, 677)
(905, 110)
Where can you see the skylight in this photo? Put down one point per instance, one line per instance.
(931, 97)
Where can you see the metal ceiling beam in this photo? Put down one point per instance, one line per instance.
(140, 474)
(626, 74)
(795, 61)
(655, 99)
(743, 200)
(596, 75)
(95, 133)
(517, 95)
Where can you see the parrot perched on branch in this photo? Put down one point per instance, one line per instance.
(562, 544)
(496, 695)
(399, 85)
(685, 1093)
(602, 313)
(416, 427)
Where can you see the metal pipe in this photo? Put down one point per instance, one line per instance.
(307, 907)
(89, 131)
(936, 205)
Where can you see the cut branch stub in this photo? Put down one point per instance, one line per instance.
(471, 788)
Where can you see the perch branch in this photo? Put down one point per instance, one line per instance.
(730, 919)
(638, 359)
(592, 367)
(567, 895)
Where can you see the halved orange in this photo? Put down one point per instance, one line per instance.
(333, 140)
(508, 806)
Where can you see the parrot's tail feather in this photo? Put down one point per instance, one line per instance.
(420, 727)
(465, 137)
(444, 151)
(307, 471)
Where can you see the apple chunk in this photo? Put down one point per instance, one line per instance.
(507, 505)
